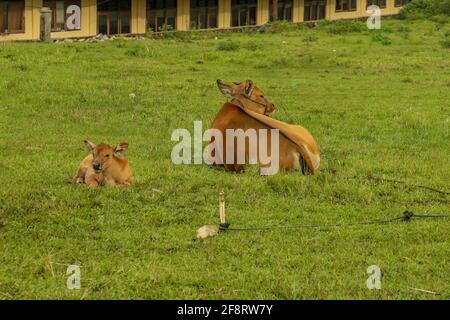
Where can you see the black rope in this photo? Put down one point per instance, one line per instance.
(420, 186)
(407, 216)
(413, 185)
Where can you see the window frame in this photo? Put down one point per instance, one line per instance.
(403, 3)
(122, 11)
(309, 5)
(284, 7)
(22, 22)
(342, 6)
(211, 10)
(248, 8)
(165, 9)
(377, 3)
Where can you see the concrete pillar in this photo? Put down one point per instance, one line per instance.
(46, 24)
(263, 12)
(183, 13)
(224, 14)
(298, 10)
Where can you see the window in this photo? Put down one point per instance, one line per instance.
(380, 3)
(113, 16)
(114, 5)
(400, 3)
(243, 13)
(62, 11)
(346, 5)
(161, 14)
(314, 10)
(12, 19)
(204, 14)
(284, 10)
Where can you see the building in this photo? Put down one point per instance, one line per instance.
(20, 19)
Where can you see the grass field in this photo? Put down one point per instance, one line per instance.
(377, 102)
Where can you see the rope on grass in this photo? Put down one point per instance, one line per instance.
(418, 186)
(407, 216)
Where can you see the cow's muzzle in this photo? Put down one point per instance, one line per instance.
(97, 167)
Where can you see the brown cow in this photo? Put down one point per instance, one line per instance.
(249, 109)
(104, 166)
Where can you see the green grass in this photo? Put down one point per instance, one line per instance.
(377, 105)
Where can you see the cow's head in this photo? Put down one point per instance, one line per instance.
(103, 154)
(249, 96)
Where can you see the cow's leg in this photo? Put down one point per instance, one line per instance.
(92, 183)
(290, 157)
(303, 165)
(299, 163)
(109, 182)
(79, 176)
(92, 179)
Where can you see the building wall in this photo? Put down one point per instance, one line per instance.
(183, 15)
(297, 12)
(139, 24)
(262, 14)
(360, 12)
(224, 14)
(31, 23)
(138, 16)
(88, 22)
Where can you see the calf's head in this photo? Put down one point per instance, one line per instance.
(248, 95)
(103, 154)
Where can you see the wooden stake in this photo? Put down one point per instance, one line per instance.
(209, 231)
(222, 207)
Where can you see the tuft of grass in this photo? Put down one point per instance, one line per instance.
(344, 26)
(419, 9)
(446, 42)
(440, 19)
(228, 45)
(311, 38)
(253, 45)
(403, 28)
(282, 26)
(381, 38)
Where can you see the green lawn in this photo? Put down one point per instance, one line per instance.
(378, 104)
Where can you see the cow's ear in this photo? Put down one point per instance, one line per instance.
(121, 147)
(249, 86)
(89, 145)
(224, 88)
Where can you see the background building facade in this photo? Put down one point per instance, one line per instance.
(20, 19)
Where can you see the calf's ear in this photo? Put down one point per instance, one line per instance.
(249, 86)
(224, 88)
(89, 145)
(121, 147)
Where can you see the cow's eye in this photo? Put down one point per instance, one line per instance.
(107, 155)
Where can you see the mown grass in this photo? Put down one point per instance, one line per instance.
(377, 103)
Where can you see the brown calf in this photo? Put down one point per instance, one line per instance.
(248, 110)
(105, 166)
